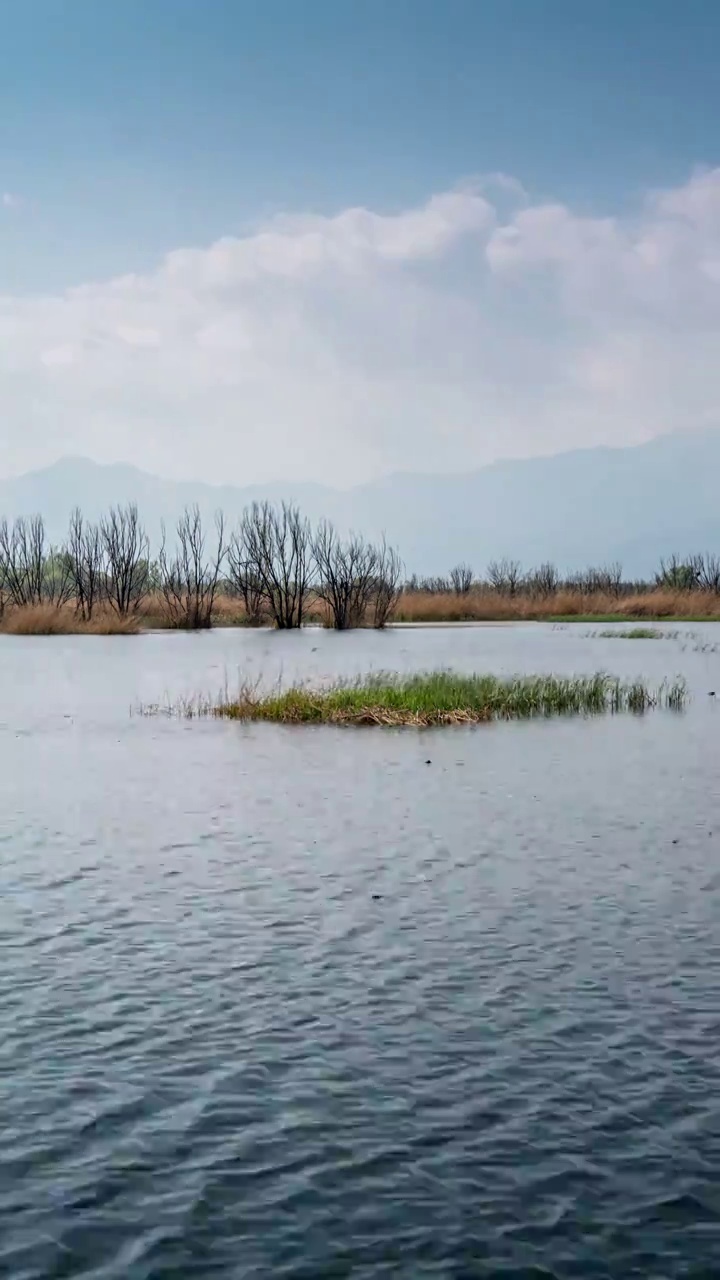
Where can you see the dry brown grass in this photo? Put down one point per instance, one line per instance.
(53, 620)
(64, 620)
(228, 611)
(481, 605)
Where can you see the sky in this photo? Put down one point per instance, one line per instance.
(254, 240)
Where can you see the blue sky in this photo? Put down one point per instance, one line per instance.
(135, 124)
(131, 130)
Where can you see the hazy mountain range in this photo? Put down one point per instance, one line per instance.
(585, 507)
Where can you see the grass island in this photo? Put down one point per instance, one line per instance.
(434, 698)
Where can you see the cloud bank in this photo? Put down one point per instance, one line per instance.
(478, 325)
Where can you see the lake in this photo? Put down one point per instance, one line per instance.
(322, 1002)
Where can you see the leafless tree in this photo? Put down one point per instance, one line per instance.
(504, 576)
(126, 550)
(22, 576)
(188, 579)
(85, 557)
(543, 581)
(277, 543)
(387, 588)
(461, 578)
(676, 574)
(604, 580)
(31, 572)
(613, 574)
(690, 573)
(706, 568)
(244, 578)
(347, 575)
(428, 586)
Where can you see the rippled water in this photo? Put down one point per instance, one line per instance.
(297, 1003)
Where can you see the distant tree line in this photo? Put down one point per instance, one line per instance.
(273, 561)
(509, 579)
(276, 564)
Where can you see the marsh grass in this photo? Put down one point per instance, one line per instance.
(635, 633)
(483, 604)
(479, 605)
(685, 639)
(434, 698)
(54, 620)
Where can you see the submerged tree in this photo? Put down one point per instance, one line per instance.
(188, 579)
(277, 551)
(388, 586)
(244, 578)
(347, 575)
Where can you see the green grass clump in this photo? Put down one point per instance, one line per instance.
(635, 633)
(437, 698)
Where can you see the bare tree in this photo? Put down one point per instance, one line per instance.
(244, 578)
(504, 576)
(690, 573)
(126, 550)
(347, 574)
(543, 581)
(22, 560)
(387, 588)
(613, 574)
(706, 569)
(277, 542)
(676, 574)
(461, 578)
(31, 572)
(428, 586)
(85, 557)
(189, 578)
(604, 580)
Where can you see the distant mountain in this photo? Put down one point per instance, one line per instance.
(585, 507)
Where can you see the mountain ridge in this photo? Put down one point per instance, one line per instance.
(583, 506)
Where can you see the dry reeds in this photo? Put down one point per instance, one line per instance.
(482, 604)
(64, 620)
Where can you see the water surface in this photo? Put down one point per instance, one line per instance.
(298, 1003)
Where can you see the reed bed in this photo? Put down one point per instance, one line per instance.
(434, 698)
(482, 604)
(54, 620)
(478, 605)
(151, 615)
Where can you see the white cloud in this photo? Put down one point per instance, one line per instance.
(10, 201)
(56, 357)
(340, 347)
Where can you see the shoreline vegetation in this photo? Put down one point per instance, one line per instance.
(433, 699)
(413, 608)
(275, 569)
